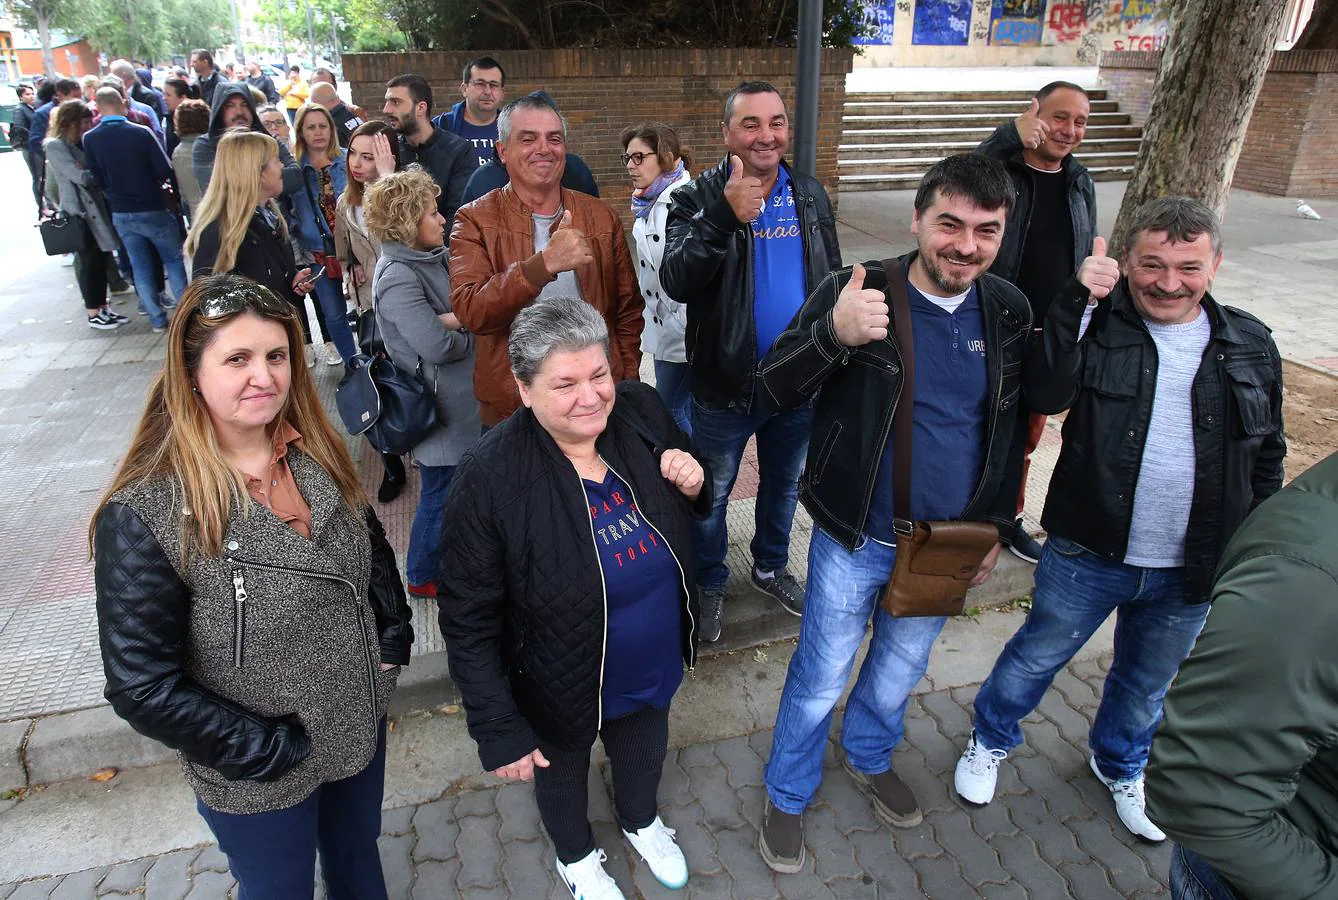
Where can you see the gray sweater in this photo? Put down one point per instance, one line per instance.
(409, 289)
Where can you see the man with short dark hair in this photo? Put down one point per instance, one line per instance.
(745, 243)
(969, 330)
(131, 167)
(261, 81)
(19, 132)
(474, 118)
(1173, 434)
(295, 92)
(207, 76)
(1050, 228)
(65, 89)
(445, 156)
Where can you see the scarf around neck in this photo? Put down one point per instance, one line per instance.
(642, 201)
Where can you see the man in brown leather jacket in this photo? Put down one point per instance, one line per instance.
(532, 238)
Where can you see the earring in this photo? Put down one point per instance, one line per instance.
(194, 389)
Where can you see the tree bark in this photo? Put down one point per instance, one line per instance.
(1211, 70)
(1321, 32)
(43, 17)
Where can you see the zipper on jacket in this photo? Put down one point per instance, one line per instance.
(238, 617)
(604, 596)
(682, 576)
(357, 603)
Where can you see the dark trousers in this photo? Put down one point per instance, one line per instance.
(35, 165)
(636, 745)
(90, 270)
(273, 855)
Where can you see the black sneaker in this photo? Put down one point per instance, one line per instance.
(893, 800)
(782, 588)
(781, 840)
(102, 323)
(713, 613)
(1023, 545)
(115, 316)
(390, 488)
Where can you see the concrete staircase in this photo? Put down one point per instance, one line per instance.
(890, 140)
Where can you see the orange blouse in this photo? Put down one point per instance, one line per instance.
(277, 491)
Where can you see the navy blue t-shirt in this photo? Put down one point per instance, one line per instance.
(779, 285)
(949, 425)
(643, 660)
(481, 136)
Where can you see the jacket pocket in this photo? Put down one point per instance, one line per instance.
(1250, 386)
(825, 453)
(1112, 371)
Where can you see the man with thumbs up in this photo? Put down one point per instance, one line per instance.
(1050, 226)
(1173, 435)
(745, 242)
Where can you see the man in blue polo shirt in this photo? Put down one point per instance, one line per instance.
(968, 331)
(483, 87)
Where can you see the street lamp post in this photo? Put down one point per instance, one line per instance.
(311, 35)
(283, 40)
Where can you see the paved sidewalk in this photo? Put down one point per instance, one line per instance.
(1051, 833)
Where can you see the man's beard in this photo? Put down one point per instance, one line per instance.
(940, 277)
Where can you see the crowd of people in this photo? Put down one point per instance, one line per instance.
(571, 522)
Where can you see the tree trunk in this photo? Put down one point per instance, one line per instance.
(1321, 32)
(1211, 70)
(44, 35)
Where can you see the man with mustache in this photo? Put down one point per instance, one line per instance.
(1050, 226)
(968, 332)
(1173, 435)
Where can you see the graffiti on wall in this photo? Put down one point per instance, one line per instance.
(1017, 23)
(878, 15)
(1104, 25)
(942, 23)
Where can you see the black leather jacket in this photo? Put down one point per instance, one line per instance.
(1006, 146)
(1107, 381)
(858, 389)
(708, 265)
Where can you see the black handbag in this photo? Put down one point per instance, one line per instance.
(63, 234)
(394, 409)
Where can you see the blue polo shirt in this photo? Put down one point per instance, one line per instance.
(779, 285)
(643, 659)
(950, 422)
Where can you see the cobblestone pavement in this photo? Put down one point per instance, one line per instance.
(1051, 833)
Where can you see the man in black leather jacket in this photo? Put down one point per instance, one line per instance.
(969, 330)
(745, 243)
(1173, 434)
(1050, 226)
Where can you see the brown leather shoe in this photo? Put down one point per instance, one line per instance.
(781, 840)
(892, 798)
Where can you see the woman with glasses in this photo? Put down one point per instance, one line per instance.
(249, 610)
(658, 166)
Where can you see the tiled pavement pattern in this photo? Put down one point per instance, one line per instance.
(1051, 833)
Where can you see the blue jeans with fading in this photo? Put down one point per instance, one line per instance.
(143, 233)
(841, 597)
(1154, 631)
(1193, 879)
(673, 381)
(420, 564)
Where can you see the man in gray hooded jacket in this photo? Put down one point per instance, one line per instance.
(234, 108)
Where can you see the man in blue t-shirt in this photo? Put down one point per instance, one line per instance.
(474, 118)
(968, 330)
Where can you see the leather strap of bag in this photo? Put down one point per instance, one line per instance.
(900, 302)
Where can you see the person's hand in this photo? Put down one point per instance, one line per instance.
(382, 157)
(450, 321)
(987, 566)
(1030, 127)
(743, 192)
(682, 471)
(567, 248)
(860, 315)
(302, 283)
(387, 666)
(1099, 273)
(523, 768)
(359, 275)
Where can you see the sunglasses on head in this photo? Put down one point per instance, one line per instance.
(236, 300)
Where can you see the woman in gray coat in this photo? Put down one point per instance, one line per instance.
(81, 199)
(411, 294)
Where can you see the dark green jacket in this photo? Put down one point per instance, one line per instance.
(1244, 771)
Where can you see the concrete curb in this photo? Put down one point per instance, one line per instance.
(77, 744)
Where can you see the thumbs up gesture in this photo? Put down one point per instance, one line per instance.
(1030, 127)
(743, 192)
(860, 315)
(567, 247)
(1099, 273)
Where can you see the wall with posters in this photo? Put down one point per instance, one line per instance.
(1008, 32)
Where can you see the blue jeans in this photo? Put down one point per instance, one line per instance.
(720, 436)
(330, 295)
(1193, 879)
(143, 233)
(273, 855)
(1075, 591)
(420, 565)
(674, 382)
(842, 594)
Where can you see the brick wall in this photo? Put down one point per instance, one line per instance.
(1291, 146)
(603, 91)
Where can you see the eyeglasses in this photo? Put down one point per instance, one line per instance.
(490, 85)
(635, 158)
(236, 300)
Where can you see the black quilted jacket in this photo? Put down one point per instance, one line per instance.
(520, 591)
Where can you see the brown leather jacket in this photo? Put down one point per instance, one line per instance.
(495, 273)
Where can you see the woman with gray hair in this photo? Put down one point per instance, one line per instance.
(563, 589)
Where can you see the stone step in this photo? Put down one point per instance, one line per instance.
(957, 120)
(975, 107)
(906, 131)
(953, 96)
(918, 165)
(936, 151)
(902, 182)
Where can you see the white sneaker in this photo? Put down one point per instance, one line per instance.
(978, 772)
(332, 356)
(587, 880)
(1130, 805)
(657, 847)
